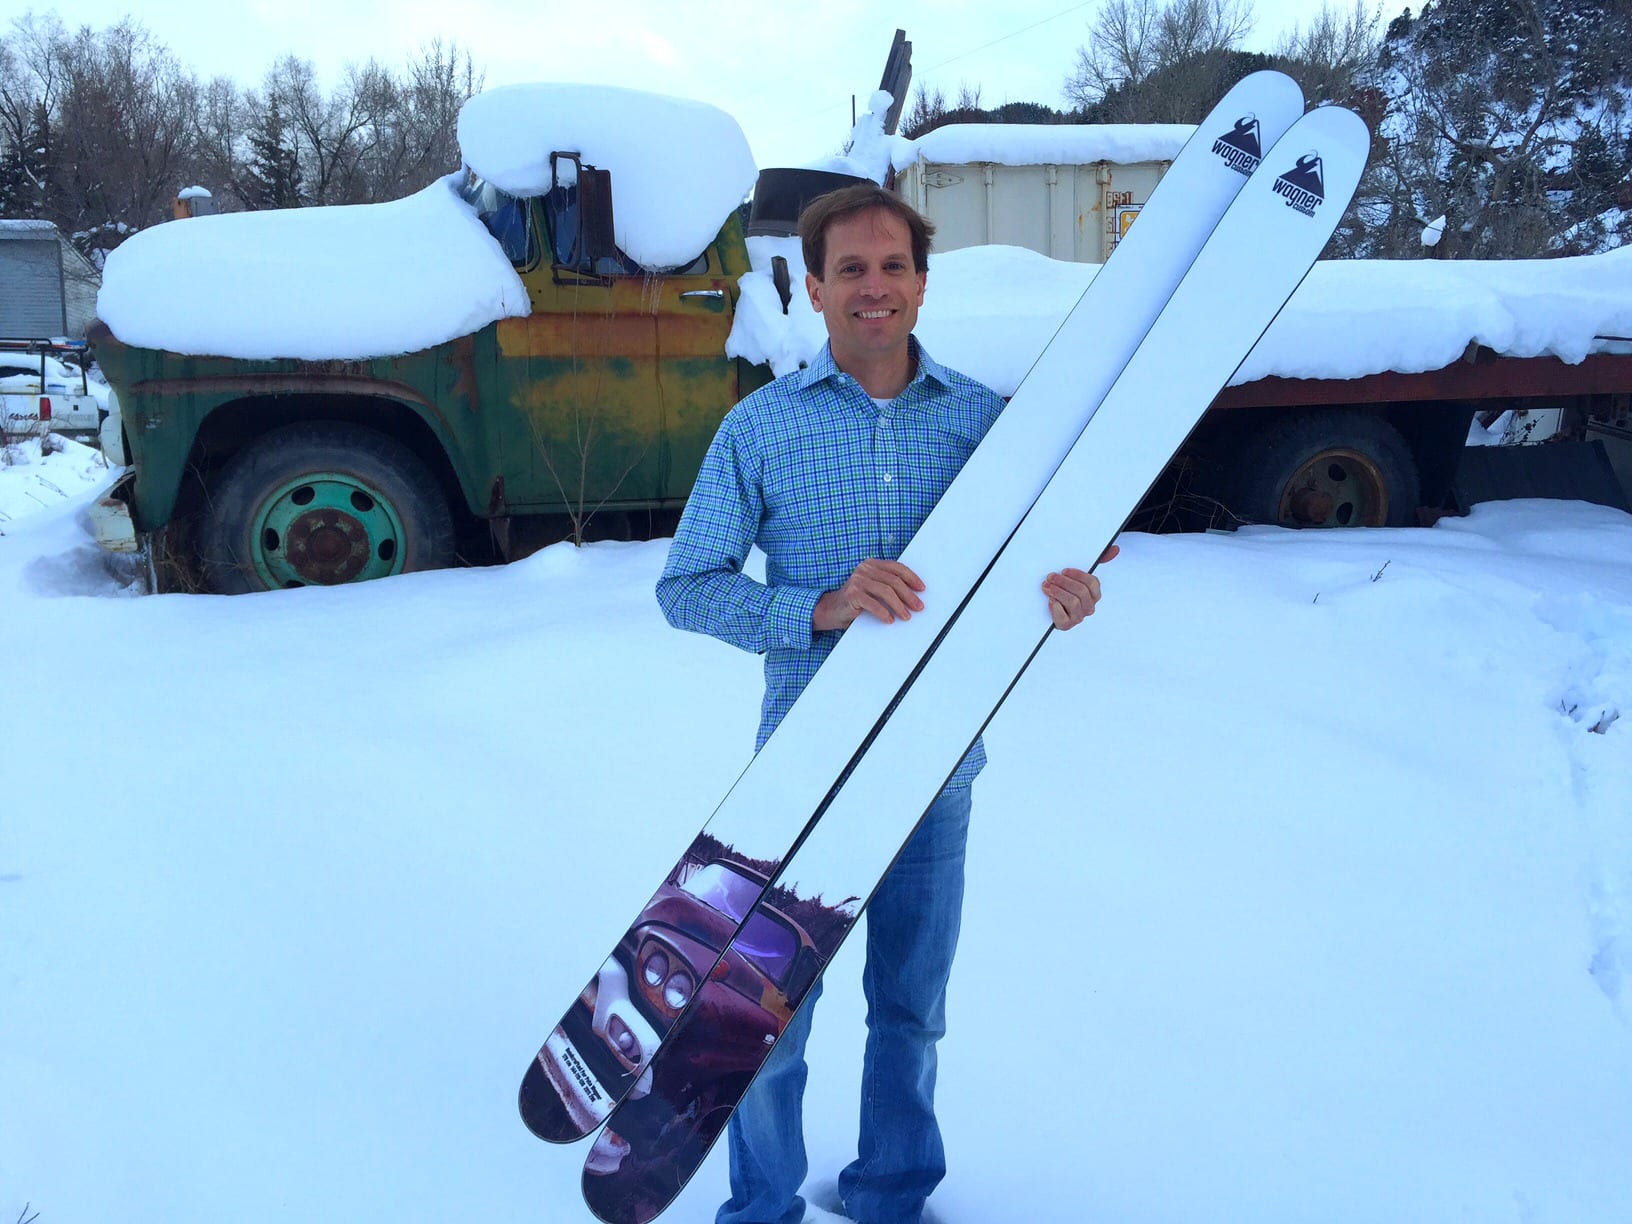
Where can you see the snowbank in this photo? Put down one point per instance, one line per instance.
(1355, 317)
(38, 475)
(1340, 926)
(989, 311)
(678, 167)
(367, 280)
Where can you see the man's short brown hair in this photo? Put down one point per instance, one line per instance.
(822, 212)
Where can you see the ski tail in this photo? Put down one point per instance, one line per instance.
(1260, 253)
(597, 1054)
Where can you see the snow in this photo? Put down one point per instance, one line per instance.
(989, 311)
(37, 475)
(1314, 872)
(193, 193)
(366, 280)
(1046, 144)
(678, 167)
(1433, 231)
(871, 153)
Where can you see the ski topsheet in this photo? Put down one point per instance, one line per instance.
(1259, 253)
(599, 1050)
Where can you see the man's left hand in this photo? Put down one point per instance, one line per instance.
(1072, 593)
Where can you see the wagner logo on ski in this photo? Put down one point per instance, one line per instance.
(1304, 186)
(1242, 146)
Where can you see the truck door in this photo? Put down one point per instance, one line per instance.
(618, 376)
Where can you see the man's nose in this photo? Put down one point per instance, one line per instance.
(872, 283)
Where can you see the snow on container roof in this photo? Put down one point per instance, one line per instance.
(1046, 144)
(365, 280)
(678, 167)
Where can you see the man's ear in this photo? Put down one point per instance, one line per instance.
(814, 288)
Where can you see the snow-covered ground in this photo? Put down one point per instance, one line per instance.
(1301, 883)
(37, 475)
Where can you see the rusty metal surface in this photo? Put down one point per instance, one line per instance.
(295, 382)
(1486, 376)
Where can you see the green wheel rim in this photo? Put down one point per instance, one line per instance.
(326, 528)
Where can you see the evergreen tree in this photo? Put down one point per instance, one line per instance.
(272, 178)
(26, 175)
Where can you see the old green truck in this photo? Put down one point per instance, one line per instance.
(585, 399)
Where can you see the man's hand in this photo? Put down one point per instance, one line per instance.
(1072, 594)
(885, 589)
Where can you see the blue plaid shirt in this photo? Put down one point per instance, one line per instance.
(821, 478)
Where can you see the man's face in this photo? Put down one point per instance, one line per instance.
(869, 293)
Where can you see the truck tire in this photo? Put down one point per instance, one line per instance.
(1330, 467)
(319, 504)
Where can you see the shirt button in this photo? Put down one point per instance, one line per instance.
(888, 478)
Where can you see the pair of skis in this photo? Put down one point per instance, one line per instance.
(664, 1040)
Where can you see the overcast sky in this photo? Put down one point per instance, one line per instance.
(786, 70)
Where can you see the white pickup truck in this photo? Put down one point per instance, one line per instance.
(42, 393)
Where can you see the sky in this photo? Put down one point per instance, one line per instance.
(787, 71)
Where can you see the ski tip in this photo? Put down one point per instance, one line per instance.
(542, 1110)
(616, 1193)
(1251, 117)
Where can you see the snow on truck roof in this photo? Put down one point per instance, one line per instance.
(678, 167)
(364, 280)
(373, 280)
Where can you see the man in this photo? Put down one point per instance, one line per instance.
(831, 471)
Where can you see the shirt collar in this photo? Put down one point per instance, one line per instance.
(824, 367)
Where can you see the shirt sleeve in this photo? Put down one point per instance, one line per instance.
(703, 588)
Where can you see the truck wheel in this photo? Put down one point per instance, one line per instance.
(318, 504)
(1327, 468)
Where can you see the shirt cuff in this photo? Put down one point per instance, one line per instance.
(789, 621)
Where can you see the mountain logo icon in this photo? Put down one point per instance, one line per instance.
(1242, 146)
(1304, 186)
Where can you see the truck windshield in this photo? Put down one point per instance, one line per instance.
(506, 218)
(765, 941)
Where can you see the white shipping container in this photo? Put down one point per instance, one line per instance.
(1068, 191)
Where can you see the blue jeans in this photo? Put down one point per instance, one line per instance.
(912, 932)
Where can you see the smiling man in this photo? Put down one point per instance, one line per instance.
(830, 471)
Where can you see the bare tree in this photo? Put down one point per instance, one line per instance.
(1131, 40)
(339, 135)
(1328, 56)
(221, 126)
(1120, 51)
(125, 123)
(1194, 27)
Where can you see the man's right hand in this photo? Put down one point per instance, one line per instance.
(885, 589)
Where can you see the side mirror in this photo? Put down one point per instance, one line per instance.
(782, 280)
(580, 208)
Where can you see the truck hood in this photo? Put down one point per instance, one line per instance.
(367, 280)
